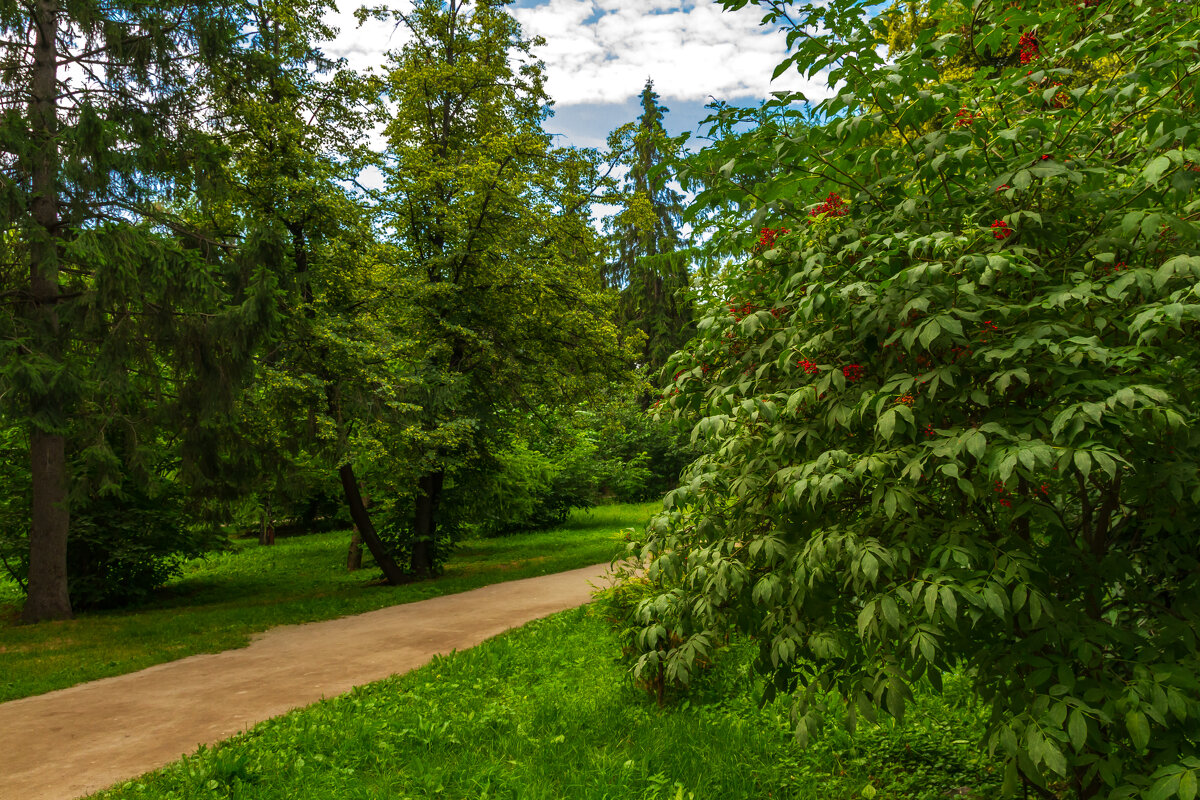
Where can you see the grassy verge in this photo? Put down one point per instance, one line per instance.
(221, 600)
(547, 712)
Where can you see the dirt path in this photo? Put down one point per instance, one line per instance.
(76, 741)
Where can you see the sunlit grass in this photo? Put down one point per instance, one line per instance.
(221, 600)
(547, 712)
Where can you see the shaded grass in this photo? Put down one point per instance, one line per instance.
(221, 600)
(547, 712)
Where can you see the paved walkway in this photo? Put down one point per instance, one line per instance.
(72, 742)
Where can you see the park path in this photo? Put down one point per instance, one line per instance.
(72, 742)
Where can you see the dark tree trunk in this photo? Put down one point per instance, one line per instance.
(354, 554)
(266, 534)
(362, 521)
(424, 549)
(49, 514)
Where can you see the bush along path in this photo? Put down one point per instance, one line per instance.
(72, 742)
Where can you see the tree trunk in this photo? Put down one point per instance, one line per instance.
(266, 534)
(49, 512)
(362, 521)
(424, 549)
(354, 554)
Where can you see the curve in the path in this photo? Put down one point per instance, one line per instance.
(72, 742)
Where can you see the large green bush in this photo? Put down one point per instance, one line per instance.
(950, 415)
(128, 536)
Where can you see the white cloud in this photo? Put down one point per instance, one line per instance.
(602, 51)
(363, 47)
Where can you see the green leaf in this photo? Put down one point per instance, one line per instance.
(1155, 169)
(891, 612)
(1077, 729)
(1139, 729)
(1187, 785)
(1164, 787)
(887, 424)
(1053, 757)
(992, 598)
(1083, 462)
(976, 444)
(949, 601)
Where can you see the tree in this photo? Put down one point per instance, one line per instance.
(293, 123)
(97, 119)
(651, 265)
(950, 417)
(493, 251)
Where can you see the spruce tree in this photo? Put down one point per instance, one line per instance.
(97, 129)
(650, 267)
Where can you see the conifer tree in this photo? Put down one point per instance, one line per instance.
(650, 267)
(98, 128)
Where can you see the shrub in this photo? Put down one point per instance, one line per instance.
(950, 418)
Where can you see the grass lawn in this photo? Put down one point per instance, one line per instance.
(546, 712)
(220, 600)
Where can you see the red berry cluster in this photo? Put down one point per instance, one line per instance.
(964, 118)
(834, 206)
(767, 237)
(906, 399)
(1111, 269)
(742, 311)
(1029, 47)
(808, 366)
(987, 329)
(1003, 499)
(853, 372)
(1001, 230)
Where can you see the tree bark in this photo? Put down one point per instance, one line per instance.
(49, 513)
(362, 520)
(266, 534)
(424, 548)
(354, 554)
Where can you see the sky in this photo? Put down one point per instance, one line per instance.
(599, 53)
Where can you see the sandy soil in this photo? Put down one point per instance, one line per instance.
(76, 741)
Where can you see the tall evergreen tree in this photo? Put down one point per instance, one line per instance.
(97, 128)
(650, 266)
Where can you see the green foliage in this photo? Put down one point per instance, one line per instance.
(641, 456)
(949, 416)
(650, 264)
(491, 247)
(530, 489)
(126, 319)
(556, 461)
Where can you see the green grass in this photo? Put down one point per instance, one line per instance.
(221, 600)
(548, 712)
